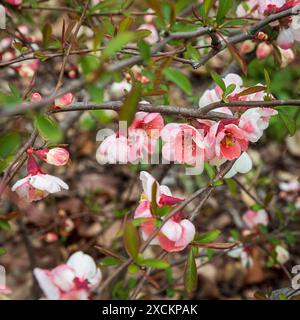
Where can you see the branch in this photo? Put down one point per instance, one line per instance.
(249, 34)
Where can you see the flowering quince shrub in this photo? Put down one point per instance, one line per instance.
(150, 149)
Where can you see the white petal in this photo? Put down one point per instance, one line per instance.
(19, 183)
(50, 290)
(172, 230)
(85, 268)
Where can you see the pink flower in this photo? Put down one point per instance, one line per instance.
(255, 218)
(176, 233)
(35, 97)
(254, 121)
(263, 50)
(148, 125)
(14, 2)
(270, 6)
(64, 100)
(225, 141)
(54, 156)
(287, 57)
(114, 149)
(183, 144)
(74, 280)
(153, 37)
(142, 138)
(215, 95)
(37, 185)
(27, 69)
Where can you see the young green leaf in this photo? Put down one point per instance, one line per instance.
(131, 240)
(154, 263)
(128, 109)
(116, 43)
(179, 79)
(218, 80)
(109, 261)
(209, 236)
(9, 144)
(47, 32)
(207, 6)
(224, 7)
(288, 121)
(190, 275)
(125, 24)
(48, 128)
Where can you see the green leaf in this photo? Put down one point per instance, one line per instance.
(89, 63)
(218, 80)
(131, 240)
(210, 170)
(190, 275)
(47, 32)
(229, 89)
(4, 225)
(128, 109)
(207, 6)
(154, 263)
(144, 49)
(179, 79)
(137, 222)
(133, 268)
(232, 186)
(48, 128)
(192, 53)
(224, 7)
(109, 261)
(268, 81)
(9, 144)
(116, 43)
(288, 121)
(2, 251)
(14, 90)
(125, 24)
(209, 236)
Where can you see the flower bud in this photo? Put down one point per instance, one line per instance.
(64, 100)
(262, 36)
(35, 97)
(263, 50)
(55, 156)
(247, 46)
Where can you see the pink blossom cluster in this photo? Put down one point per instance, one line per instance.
(177, 233)
(74, 280)
(60, 102)
(8, 51)
(38, 184)
(253, 219)
(198, 141)
(289, 28)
